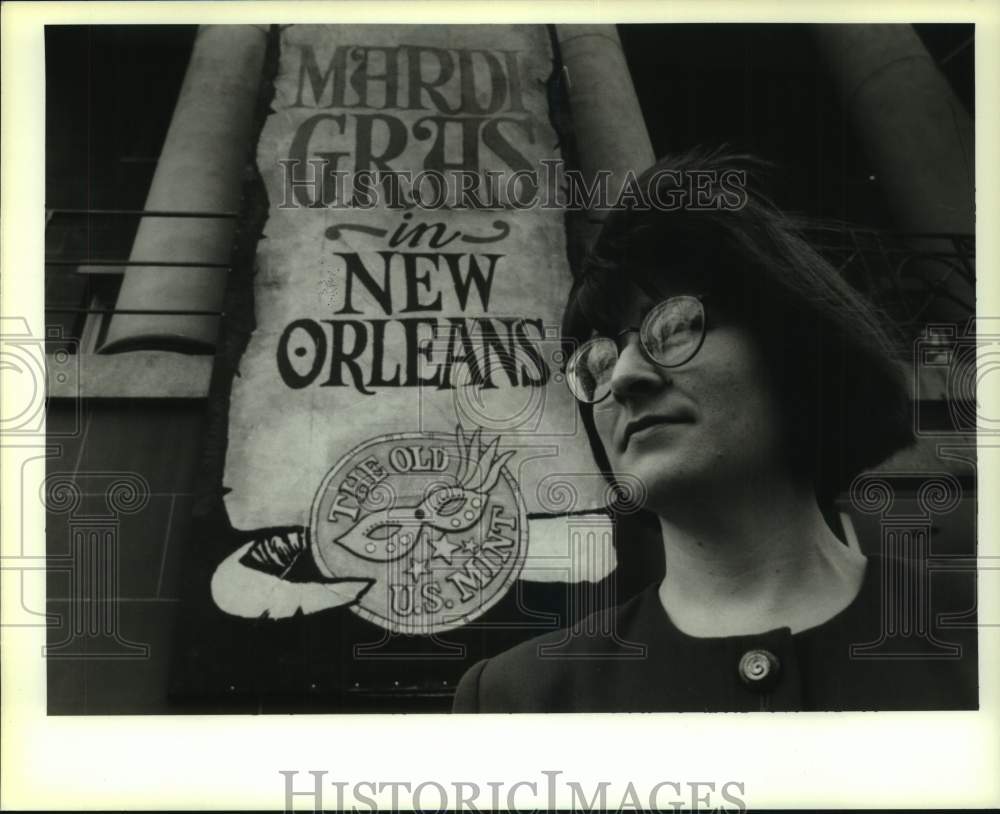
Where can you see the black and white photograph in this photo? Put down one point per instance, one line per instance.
(395, 372)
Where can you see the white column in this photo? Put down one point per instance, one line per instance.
(200, 169)
(610, 130)
(915, 131)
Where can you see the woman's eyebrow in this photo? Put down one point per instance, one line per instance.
(609, 324)
(597, 331)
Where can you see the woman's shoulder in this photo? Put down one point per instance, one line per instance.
(539, 675)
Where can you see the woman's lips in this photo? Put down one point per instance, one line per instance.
(647, 422)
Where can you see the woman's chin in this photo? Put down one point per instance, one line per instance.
(659, 487)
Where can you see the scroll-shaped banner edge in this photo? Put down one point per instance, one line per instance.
(249, 593)
(570, 548)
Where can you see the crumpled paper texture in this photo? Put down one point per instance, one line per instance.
(283, 440)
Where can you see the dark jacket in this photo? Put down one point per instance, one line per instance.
(876, 654)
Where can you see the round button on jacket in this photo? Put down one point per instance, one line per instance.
(759, 669)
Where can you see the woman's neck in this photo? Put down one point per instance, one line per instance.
(761, 559)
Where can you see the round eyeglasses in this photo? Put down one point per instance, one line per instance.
(670, 335)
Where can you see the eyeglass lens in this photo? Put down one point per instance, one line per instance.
(670, 334)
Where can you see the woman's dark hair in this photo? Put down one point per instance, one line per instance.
(699, 221)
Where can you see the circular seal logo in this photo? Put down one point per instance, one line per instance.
(435, 520)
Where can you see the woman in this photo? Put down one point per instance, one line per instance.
(725, 365)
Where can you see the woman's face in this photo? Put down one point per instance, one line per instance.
(707, 425)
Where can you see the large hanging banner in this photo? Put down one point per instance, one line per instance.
(399, 427)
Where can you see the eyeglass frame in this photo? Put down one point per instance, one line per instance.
(642, 346)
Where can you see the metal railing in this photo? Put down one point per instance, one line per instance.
(905, 275)
(908, 276)
(95, 298)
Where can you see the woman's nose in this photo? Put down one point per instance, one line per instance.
(633, 373)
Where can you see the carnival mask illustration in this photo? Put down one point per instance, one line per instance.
(391, 533)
